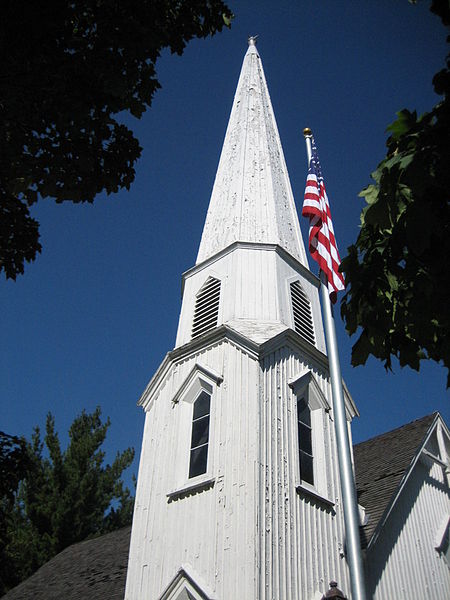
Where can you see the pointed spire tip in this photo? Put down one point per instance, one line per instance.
(252, 40)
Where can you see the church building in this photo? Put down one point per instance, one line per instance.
(238, 493)
(238, 490)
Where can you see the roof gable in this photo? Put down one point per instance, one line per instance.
(381, 463)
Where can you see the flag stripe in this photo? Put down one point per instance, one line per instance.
(322, 242)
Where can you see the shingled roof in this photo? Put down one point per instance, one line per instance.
(380, 465)
(93, 569)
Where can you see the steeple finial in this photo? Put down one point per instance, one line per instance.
(252, 40)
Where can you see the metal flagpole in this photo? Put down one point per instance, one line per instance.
(351, 516)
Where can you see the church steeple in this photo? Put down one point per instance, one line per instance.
(251, 233)
(237, 491)
(252, 199)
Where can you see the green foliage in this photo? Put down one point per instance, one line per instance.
(14, 464)
(68, 69)
(397, 272)
(64, 496)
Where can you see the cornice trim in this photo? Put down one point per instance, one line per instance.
(288, 337)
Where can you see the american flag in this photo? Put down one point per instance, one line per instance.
(322, 243)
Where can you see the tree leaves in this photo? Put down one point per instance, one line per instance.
(397, 271)
(68, 69)
(404, 122)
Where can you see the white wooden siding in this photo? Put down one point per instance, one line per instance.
(251, 535)
(214, 530)
(302, 541)
(403, 563)
(254, 286)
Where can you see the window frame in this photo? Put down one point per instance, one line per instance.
(195, 420)
(185, 583)
(305, 386)
(200, 379)
(302, 450)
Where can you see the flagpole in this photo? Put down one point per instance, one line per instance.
(351, 516)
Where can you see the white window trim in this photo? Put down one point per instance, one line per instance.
(306, 381)
(201, 378)
(189, 389)
(305, 384)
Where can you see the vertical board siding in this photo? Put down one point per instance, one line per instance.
(276, 543)
(254, 293)
(403, 562)
(301, 540)
(213, 530)
(258, 290)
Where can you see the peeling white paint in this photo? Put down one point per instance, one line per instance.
(252, 198)
(247, 527)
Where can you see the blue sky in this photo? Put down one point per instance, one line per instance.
(93, 317)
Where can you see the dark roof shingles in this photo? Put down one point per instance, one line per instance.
(380, 464)
(95, 568)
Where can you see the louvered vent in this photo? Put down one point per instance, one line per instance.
(206, 307)
(301, 308)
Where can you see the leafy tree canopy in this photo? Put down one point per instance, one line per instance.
(397, 272)
(68, 68)
(63, 497)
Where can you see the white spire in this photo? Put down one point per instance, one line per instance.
(252, 199)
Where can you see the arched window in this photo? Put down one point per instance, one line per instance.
(200, 435)
(301, 311)
(206, 310)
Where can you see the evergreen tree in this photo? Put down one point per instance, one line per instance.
(65, 496)
(14, 464)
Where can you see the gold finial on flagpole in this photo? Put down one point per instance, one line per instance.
(307, 132)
